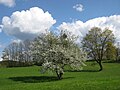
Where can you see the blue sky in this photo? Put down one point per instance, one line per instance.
(61, 11)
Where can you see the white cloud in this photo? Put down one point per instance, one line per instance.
(78, 7)
(80, 28)
(1, 59)
(16, 41)
(9, 3)
(27, 24)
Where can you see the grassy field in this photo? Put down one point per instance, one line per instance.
(29, 78)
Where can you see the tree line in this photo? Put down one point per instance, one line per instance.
(53, 52)
(18, 54)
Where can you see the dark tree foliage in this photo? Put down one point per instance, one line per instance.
(95, 43)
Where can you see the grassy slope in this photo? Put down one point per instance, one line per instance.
(29, 78)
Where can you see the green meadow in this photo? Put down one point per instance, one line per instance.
(30, 78)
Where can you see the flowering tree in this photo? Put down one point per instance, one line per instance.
(55, 52)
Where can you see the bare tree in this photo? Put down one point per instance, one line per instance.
(19, 52)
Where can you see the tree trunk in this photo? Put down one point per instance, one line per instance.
(101, 67)
(59, 75)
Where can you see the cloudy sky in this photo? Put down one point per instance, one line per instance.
(25, 19)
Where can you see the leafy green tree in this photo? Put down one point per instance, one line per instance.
(55, 52)
(118, 52)
(95, 43)
(110, 51)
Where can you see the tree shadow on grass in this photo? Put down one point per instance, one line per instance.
(36, 79)
(82, 70)
(111, 61)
